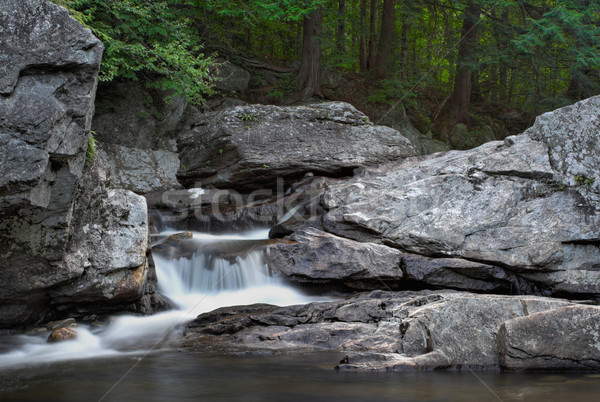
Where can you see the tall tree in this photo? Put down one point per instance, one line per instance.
(309, 75)
(461, 95)
(404, 46)
(362, 41)
(340, 38)
(372, 34)
(386, 40)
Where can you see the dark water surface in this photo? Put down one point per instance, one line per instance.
(173, 376)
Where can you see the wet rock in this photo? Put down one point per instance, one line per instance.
(402, 330)
(62, 335)
(218, 210)
(313, 256)
(568, 337)
(249, 147)
(66, 323)
(110, 242)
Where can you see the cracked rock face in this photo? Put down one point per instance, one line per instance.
(249, 147)
(568, 337)
(413, 331)
(67, 244)
(502, 204)
(48, 75)
(141, 171)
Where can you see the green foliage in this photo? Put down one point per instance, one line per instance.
(285, 86)
(149, 40)
(581, 180)
(91, 152)
(247, 116)
(535, 55)
(395, 92)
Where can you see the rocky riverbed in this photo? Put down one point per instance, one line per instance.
(486, 258)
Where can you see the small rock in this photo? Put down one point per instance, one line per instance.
(61, 335)
(179, 236)
(54, 325)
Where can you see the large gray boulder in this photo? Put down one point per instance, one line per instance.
(68, 245)
(313, 256)
(248, 147)
(108, 248)
(48, 75)
(504, 204)
(407, 330)
(572, 134)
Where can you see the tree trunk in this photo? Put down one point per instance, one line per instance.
(404, 47)
(362, 43)
(340, 38)
(461, 96)
(372, 34)
(309, 76)
(500, 92)
(386, 39)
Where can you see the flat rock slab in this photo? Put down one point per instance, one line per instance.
(408, 330)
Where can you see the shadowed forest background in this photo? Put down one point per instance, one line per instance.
(486, 67)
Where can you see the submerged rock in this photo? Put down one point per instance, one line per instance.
(407, 330)
(249, 147)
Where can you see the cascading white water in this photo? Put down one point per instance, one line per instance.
(195, 285)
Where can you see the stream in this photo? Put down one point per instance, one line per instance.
(128, 360)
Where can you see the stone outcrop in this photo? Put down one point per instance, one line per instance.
(47, 85)
(571, 134)
(314, 256)
(407, 330)
(249, 147)
(135, 129)
(565, 338)
(141, 171)
(108, 249)
(502, 206)
(68, 244)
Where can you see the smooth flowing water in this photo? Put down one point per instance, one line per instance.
(173, 376)
(114, 363)
(221, 270)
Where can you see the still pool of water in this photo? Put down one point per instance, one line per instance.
(172, 376)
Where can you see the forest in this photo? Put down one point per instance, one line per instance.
(474, 62)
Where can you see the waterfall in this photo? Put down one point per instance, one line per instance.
(221, 270)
